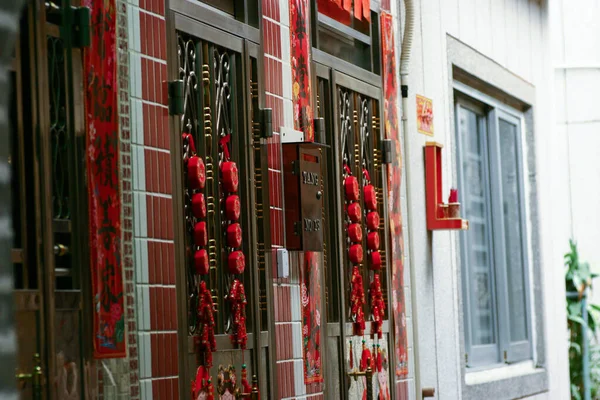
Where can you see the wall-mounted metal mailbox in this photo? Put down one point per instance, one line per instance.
(303, 191)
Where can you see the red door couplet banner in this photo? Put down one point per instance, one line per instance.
(104, 194)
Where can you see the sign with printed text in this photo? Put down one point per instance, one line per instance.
(424, 115)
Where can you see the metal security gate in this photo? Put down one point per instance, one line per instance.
(49, 218)
(217, 123)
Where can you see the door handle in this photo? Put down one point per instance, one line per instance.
(60, 250)
(35, 378)
(428, 392)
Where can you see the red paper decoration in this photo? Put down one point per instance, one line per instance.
(206, 308)
(236, 262)
(357, 301)
(351, 188)
(355, 233)
(234, 235)
(354, 212)
(199, 205)
(233, 207)
(187, 137)
(355, 254)
(196, 173)
(237, 299)
(373, 220)
(375, 261)
(201, 262)
(373, 241)
(377, 306)
(229, 176)
(370, 197)
(200, 234)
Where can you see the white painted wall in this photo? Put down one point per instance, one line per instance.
(576, 61)
(516, 35)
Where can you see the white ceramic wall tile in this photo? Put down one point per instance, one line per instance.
(583, 95)
(284, 12)
(143, 213)
(286, 76)
(143, 261)
(141, 359)
(285, 44)
(141, 315)
(146, 307)
(148, 360)
(132, 78)
(299, 377)
(139, 111)
(130, 32)
(296, 305)
(136, 31)
(141, 166)
(288, 114)
(148, 385)
(136, 69)
(297, 340)
(138, 256)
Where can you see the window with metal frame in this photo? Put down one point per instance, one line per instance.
(496, 293)
(340, 33)
(245, 11)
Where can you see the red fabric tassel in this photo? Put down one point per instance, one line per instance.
(347, 5)
(377, 306)
(357, 301)
(379, 361)
(207, 325)
(246, 387)
(365, 358)
(367, 9)
(237, 299)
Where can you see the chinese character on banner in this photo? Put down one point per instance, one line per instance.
(424, 115)
(104, 196)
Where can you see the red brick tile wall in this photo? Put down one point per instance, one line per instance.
(153, 232)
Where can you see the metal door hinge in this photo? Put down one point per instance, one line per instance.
(176, 97)
(266, 120)
(386, 151)
(505, 356)
(296, 167)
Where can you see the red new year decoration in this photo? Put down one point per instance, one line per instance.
(375, 261)
(199, 205)
(355, 254)
(310, 291)
(365, 358)
(370, 198)
(246, 388)
(234, 235)
(351, 188)
(104, 195)
(354, 212)
(200, 234)
(377, 306)
(233, 207)
(357, 301)
(201, 263)
(196, 173)
(207, 344)
(229, 176)
(373, 220)
(188, 140)
(355, 233)
(236, 262)
(237, 300)
(373, 241)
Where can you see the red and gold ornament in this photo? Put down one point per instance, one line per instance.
(196, 173)
(200, 234)
(373, 241)
(355, 254)
(233, 207)
(199, 205)
(234, 235)
(377, 306)
(357, 301)
(370, 197)
(236, 262)
(201, 263)
(207, 343)
(355, 233)
(373, 220)
(237, 300)
(229, 176)
(351, 188)
(354, 212)
(375, 260)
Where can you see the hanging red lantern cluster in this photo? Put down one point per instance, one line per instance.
(377, 306)
(372, 219)
(196, 180)
(236, 260)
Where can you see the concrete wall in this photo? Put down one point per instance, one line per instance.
(576, 62)
(514, 35)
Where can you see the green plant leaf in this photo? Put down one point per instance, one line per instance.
(576, 319)
(576, 347)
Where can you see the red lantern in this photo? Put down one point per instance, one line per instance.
(196, 173)
(373, 241)
(356, 254)
(351, 188)
(375, 259)
(354, 212)
(234, 235)
(200, 234)
(201, 262)
(229, 175)
(236, 262)
(199, 205)
(373, 220)
(355, 233)
(233, 207)
(370, 197)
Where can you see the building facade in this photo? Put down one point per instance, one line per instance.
(287, 199)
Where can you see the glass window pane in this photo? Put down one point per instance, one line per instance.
(513, 234)
(477, 261)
